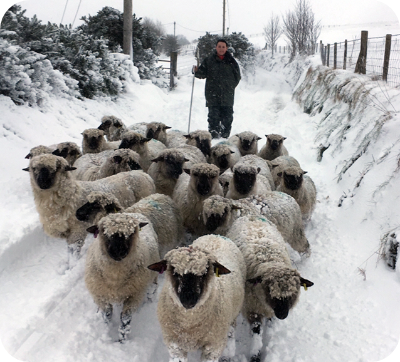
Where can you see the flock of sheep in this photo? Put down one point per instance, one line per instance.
(215, 219)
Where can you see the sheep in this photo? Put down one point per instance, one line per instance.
(148, 149)
(69, 150)
(191, 191)
(116, 265)
(90, 160)
(279, 164)
(58, 195)
(160, 209)
(273, 148)
(258, 162)
(224, 180)
(201, 139)
(301, 188)
(246, 142)
(94, 141)
(114, 162)
(157, 130)
(281, 209)
(39, 150)
(201, 297)
(224, 156)
(273, 285)
(113, 128)
(246, 181)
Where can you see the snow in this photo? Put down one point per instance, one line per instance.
(47, 313)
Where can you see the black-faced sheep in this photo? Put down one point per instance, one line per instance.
(201, 297)
(148, 149)
(301, 188)
(260, 163)
(58, 195)
(200, 139)
(191, 191)
(113, 128)
(224, 156)
(158, 131)
(39, 150)
(281, 209)
(94, 142)
(116, 266)
(160, 209)
(246, 142)
(273, 148)
(273, 285)
(278, 164)
(68, 150)
(90, 168)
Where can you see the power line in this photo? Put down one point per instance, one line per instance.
(65, 8)
(198, 31)
(76, 12)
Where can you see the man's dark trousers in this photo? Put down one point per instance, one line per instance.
(220, 121)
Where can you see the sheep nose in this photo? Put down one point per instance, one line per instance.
(44, 179)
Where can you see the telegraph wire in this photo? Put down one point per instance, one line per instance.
(76, 12)
(65, 8)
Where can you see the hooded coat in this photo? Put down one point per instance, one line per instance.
(222, 77)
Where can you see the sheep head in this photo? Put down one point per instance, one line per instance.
(200, 139)
(244, 178)
(46, 170)
(154, 129)
(173, 162)
(93, 138)
(118, 233)
(248, 140)
(99, 204)
(125, 160)
(133, 140)
(216, 211)
(292, 177)
(274, 141)
(189, 270)
(281, 286)
(203, 178)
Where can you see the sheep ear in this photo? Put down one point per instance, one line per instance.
(258, 138)
(255, 281)
(143, 224)
(29, 155)
(266, 135)
(306, 283)
(93, 230)
(144, 140)
(232, 151)
(279, 174)
(187, 170)
(304, 172)
(283, 138)
(186, 160)
(159, 158)
(258, 169)
(160, 267)
(167, 127)
(219, 269)
(187, 136)
(69, 168)
(25, 169)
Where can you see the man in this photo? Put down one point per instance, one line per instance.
(222, 75)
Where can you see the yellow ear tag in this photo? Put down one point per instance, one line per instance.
(217, 272)
(140, 229)
(115, 210)
(305, 286)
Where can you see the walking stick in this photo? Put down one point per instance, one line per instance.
(191, 97)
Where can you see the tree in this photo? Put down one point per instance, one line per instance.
(170, 44)
(272, 32)
(301, 28)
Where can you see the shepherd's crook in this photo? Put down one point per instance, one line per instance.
(191, 97)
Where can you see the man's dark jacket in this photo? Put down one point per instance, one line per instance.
(222, 77)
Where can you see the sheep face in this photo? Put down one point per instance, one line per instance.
(46, 170)
(156, 130)
(281, 288)
(221, 156)
(216, 210)
(203, 178)
(245, 178)
(216, 220)
(292, 177)
(91, 210)
(275, 141)
(200, 139)
(133, 141)
(93, 138)
(69, 151)
(173, 163)
(125, 160)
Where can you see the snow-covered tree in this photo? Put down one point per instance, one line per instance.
(272, 32)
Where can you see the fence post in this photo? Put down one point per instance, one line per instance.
(173, 69)
(361, 66)
(327, 58)
(387, 56)
(345, 54)
(334, 56)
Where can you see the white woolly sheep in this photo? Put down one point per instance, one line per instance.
(281, 209)
(160, 209)
(279, 164)
(68, 150)
(39, 150)
(148, 149)
(116, 266)
(246, 142)
(273, 285)
(201, 297)
(191, 191)
(200, 139)
(260, 163)
(273, 148)
(246, 181)
(113, 128)
(301, 188)
(94, 141)
(58, 195)
(224, 156)
(114, 162)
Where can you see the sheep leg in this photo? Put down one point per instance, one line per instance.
(107, 313)
(176, 354)
(256, 333)
(230, 348)
(125, 327)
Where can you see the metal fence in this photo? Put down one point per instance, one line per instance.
(382, 57)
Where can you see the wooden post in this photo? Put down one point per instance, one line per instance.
(335, 56)
(173, 69)
(345, 54)
(327, 58)
(223, 18)
(361, 65)
(387, 56)
(127, 29)
(279, 49)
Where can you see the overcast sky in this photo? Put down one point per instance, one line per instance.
(194, 18)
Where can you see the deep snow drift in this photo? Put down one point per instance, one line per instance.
(48, 315)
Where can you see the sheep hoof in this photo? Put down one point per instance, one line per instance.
(107, 314)
(256, 358)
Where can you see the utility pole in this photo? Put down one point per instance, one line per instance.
(174, 28)
(223, 19)
(127, 30)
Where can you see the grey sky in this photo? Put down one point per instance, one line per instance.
(193, 18)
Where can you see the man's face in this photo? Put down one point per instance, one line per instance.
(221, 48)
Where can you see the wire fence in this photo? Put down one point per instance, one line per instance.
(381, 57)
